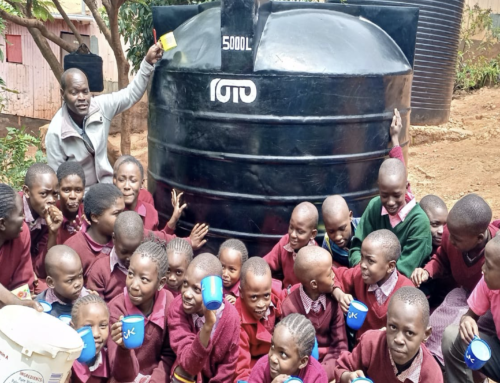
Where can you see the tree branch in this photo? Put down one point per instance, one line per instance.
(100, 22)
(47, 53)
(68, 21)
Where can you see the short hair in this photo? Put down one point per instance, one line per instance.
(470, 213)
(493, 246)
(302, 331)
(414, 297)
(432, 202)
(334, 204)
(307, 258)
(257, 266)
(70, 168)
(34, 170)
(84, 301)
(180, 245)
(207, 262)
(128, 160)
(307, 208)
(7, 200)
(237, 245)
(129, 224)
(392, 167)
(54, 256)
(388, 241)
(99, 198)
(68, 72)
(155, 250)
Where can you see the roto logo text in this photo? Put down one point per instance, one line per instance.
(245, 90)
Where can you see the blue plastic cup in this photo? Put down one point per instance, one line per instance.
(133, 331)
(293, 379)
(88, 351)
(356, 314)
(477, 354)
(315, 351)
(360, 380)
(211, 291)
(65, 318)
(47, 307)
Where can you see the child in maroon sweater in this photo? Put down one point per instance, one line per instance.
(313, 299)
(397, 354)
(92, 311)
(144, 194)
(290, 354)
(15, 258)
(180, 255)
(144, 295)
(107, 275)
(205, 342)
(102, 204)
(232, 255)
(374, 280)
(71, 179)
(301, 232)
(259, 307)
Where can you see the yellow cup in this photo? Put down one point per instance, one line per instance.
(168, 41)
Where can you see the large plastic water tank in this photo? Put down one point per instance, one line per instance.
(438, 36)
(262, 107)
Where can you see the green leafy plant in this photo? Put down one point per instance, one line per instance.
(14, 159)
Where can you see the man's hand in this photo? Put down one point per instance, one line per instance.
(154, 54)
(468, 329)
(197, 234)
(419, 276)
(396, 127)
(29, 303)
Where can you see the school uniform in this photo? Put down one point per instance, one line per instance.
(371, 356)
(215, 363)
(234, 290)
(155, 357)
(148, 214)
(375, 297)
(174, 293)
(15, 258)
(327, 318)
(68, 228)
(312, 373)
(282, 257)
(255, 336)
(146, 196)
(98, 372)
(87, 248)
(107, 276)
(58, 306)
(166, 234)
(339, 255)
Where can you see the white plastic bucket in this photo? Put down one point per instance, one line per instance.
(35, 347)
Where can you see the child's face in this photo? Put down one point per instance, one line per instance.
(338, 227)
(143, 281)
(67, 279)
(491, 268)
(437, 217)
(125, 247)
(284, 354)
(13, 223)
(128, 179)
(43, 192)
(192, 300)
(464, 240)
(325, 276)
(300, 230)
(374, 265)
(96, 316)
(71, 191)
(256, 293)
(405, 331)
(177, 266)
(392, 191)
(106, 221)
(231, 266)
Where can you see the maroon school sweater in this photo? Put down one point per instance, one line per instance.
(351, 282)
(155, 357)
(67, 229)
(82, 374)
(15, 260)
(312, 373)
(87, 254)
(281, 260)
(371, 356)
(217, 361)
(329, 325)
(148, 214)
(106, 282)
(145, 196)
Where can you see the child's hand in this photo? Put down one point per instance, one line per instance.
(117, 333)
(468, 329)
(178, 209)
(210, 318)
(419, 276)
(280, 378)
(197, 234)
(92, 292)
(396, 127)
(348, 377)
(344, 300)
(230, 298)
(53, 217)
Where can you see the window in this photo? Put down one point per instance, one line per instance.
(14, 49)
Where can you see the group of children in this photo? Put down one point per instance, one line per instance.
(99, 255)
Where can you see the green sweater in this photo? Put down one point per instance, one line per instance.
(414, 234)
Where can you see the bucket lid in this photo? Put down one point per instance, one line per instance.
(38, 332)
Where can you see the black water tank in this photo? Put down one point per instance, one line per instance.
(262, 107)
(436, 52)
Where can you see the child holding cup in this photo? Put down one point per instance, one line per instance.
(141, 346)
